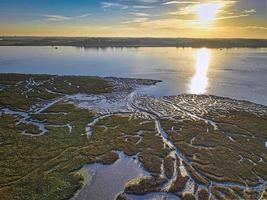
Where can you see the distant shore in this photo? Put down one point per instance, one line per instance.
(93, 42)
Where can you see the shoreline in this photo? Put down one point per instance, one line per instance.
(139, 81)
(87, 179)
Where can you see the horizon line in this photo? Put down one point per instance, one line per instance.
(130, 37)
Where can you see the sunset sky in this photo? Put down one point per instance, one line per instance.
(135, 18)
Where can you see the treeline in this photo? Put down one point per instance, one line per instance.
(131, 42)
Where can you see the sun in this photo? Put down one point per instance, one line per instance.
(207, 12)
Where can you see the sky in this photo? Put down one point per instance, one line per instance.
(135, 18)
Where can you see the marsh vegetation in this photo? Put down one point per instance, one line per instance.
(192, 146)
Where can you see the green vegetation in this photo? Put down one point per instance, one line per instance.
(179, 184)
(41, 167)
(118, 133)
(168, 166)
(225, 193)
(203, 194)
(21, 91)
(28, 128)
(47, 167)
(231, 153)
(265, 193)
(144, 185)
(188, 196)
(44, 167)
(121, 197)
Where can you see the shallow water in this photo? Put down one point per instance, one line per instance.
(237, 73)
(155, 196)
(108, 180)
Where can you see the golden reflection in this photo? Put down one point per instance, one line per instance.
(199, 82)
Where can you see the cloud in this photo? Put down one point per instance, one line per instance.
(106, 5)
(64, 18)
(263, 28)
(249, 11)
(56, 17)
(244, 13)
(135, 20)
(83, 16)
(185, 16)
(180, 2)
(224, 11)
(138, 14)
(142, 7)
(260, 28)
(148, 1)
(131, 4)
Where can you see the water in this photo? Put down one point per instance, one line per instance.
(109, 180)
(235, 73)
(155, 196)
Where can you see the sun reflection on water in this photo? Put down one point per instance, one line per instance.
(199, 82)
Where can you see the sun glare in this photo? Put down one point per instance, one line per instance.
(207, 12)
(199, 82)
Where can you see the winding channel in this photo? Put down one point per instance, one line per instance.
(165, 137)
(183, 161)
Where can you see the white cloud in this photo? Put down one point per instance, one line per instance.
(64, 18)
(83, 16)
(135, 20)
(249, 11)
(142, 7)
(148, 1)
(191, 9)
(138, 14)
(106, 5)
(180, 2)
(56, 17)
